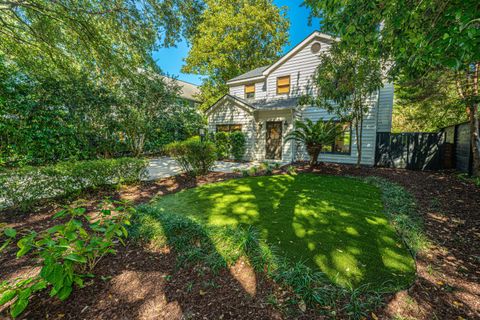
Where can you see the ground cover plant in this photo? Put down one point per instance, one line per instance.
(65, 254)
(331, 224)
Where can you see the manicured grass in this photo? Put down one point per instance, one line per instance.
(333, 224)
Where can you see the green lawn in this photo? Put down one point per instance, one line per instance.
(331, 223)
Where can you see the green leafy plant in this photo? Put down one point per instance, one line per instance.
(292, 170)
(253, 171)
(245, 173)
(26, 186)
(269, 170)
(264, 165)
(196, 157)
(238, 143)
(222, 143)
(314, 135)
(65, 253)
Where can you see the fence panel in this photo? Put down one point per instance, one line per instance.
(414, 151)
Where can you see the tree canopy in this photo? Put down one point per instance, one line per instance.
(427, 104)
(99, 36)
(232, 38)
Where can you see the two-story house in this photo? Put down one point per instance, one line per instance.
(263, 103)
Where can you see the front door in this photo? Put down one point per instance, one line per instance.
(274, 141)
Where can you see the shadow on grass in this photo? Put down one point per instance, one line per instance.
(334, 225)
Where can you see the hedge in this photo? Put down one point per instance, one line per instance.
(25, 186)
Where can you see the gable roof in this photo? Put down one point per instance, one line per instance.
(262, 72)
(241, 102)
(284, 103)
(250, 74)
(188, 90)
(258, 105)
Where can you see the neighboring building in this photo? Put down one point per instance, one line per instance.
(188, 91)
(263, 103)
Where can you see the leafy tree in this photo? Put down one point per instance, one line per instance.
(417, 36)
(47, 119)
(69, 76)
(345, 82)
(427, 104)
(103, 36)
(234, 37)
(314, 136)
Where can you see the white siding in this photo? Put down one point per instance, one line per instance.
(237, 91)
(368, 141)
(384, 115)
(260, 91)
(301, 69)
(231, 113)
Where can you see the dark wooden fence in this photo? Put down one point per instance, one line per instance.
(414, 151)
(457, 138)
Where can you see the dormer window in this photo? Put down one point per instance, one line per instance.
(283, 85)
(250, 91)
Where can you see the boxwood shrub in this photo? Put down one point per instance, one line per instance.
(26, 186)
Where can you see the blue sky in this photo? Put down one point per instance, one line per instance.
(171, 59)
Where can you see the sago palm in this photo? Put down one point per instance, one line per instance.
(314, 135)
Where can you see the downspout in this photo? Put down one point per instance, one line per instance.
(294, 145)
(376, 128)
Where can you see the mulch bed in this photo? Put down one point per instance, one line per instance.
(144, 284)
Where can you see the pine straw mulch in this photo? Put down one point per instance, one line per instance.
(139, 283)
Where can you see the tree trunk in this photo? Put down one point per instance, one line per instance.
(359, 133)
(468, 91)
(475, 138)
(475, 123)
(313, 153)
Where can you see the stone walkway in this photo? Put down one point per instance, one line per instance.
(166, 167)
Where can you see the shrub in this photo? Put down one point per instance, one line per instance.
(268, 171)
(253, 171)
(292, 170)
(25, 186)
(222, 143)
(238, 143)
(65, 253)
(194, 156)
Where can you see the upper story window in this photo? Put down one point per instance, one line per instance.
(283, 85)
(250, 91)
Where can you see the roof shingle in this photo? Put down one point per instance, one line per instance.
(250, 74)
